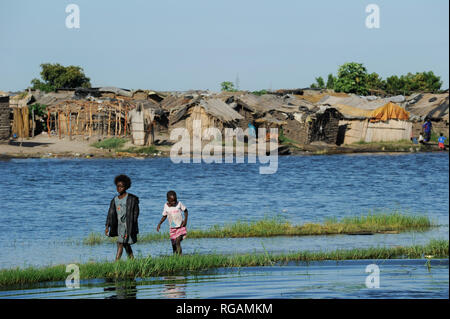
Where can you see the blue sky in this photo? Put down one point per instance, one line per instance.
(182, 45)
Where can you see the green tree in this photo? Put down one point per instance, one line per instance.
(375, 82)
(58, 76)
(227, 86)
(395, 85)
(330, 81)
(351, 78)
(425, 82)
(320, 83)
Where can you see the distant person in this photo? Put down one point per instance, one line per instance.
(441, 141)
(122, 220)
(251, 130)
(427, 126)
(421, 140)
(173, 210)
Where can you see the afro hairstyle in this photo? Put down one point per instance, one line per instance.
(124, 179)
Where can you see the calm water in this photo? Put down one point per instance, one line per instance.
(50, 205)
(346, 279)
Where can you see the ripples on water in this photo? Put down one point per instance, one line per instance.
(345, 279)
(48, 201)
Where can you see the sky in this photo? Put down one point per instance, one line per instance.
(197, 44)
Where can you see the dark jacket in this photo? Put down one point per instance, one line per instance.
(132, 217)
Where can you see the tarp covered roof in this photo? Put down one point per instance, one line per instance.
(389, 111)
(350, 112)
(367, 102)
(433, 106)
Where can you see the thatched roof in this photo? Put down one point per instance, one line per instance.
(53, 98)
(266, 103)
(173, 102)
(213, 106)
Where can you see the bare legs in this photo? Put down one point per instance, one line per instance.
(128, 250)
(176, 245)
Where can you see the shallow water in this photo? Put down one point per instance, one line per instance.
(50, 205)
(346, 279)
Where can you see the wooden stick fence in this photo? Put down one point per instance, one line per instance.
(73, 117)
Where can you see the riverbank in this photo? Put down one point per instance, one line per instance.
(43, 146)
(191, 264)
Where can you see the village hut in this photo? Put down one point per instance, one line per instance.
(212, 112)
(389, 122)
(308, 126)
(5, 124)
(87, 118)
(298, 119)
(432, 106)
(252, 107)
(147, 120)
(148, 95)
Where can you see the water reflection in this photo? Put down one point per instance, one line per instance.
(175, 287)
(122, 289)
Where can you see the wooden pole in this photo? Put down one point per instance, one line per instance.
(59, 124)
(32, 118)
(90, 120)
(76, 129)
(115, 131)
(70, 125)
(85, 121)
(126, 120)
(120, 118)
(109, 122)
(48, 123)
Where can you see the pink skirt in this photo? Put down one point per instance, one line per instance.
(177, 232)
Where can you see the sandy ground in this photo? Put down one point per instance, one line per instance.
(42, 145)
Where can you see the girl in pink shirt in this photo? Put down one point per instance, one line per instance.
(173, 210)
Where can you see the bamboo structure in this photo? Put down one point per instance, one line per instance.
(90, 118)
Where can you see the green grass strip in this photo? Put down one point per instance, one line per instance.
(276, 226)
(110, 143)
(188, 264)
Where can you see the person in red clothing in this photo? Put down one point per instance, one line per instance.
(441, 141)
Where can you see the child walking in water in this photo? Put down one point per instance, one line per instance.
(173, 210)
(122, 219)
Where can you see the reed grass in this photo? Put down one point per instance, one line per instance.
(277, 226)
(142, 150)
(110, 143)
(191, 264)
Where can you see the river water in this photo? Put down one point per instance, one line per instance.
(50, 205)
